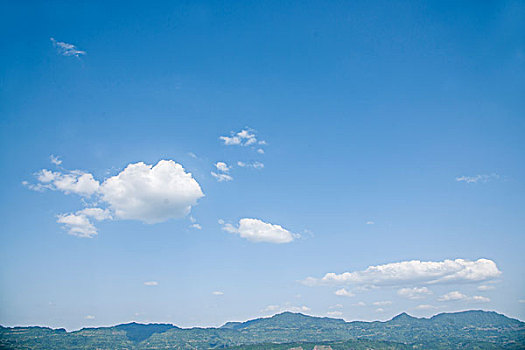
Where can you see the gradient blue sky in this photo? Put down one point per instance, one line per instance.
(371, 111)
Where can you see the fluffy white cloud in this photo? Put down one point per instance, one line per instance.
(260, 151)
(151, 283)
(142, 192)
(382, 303)
(151, 194)
(90, 317)
(217, 292)
(370, 223)
(77, 225)
(380, 309)
(426, 307)
(221, 166)
(414, 293)
(244, 137)
(344, 293)
(66, 49)
(453, 296)
(415, 271)
(221, 177)
(259, 231)
(75, 181)
(477, 178)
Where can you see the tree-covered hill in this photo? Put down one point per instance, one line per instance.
(462, 330)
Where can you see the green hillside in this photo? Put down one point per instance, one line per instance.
(462, 330)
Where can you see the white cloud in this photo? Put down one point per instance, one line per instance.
(151, 283)
(55, 160)
(380, 309)
(142, 192)
(521, 301)
(221, 177)
(485, 287)
(336, 306)
(415, 271)
(90, 317)
(360, 303)
(66, 49)
(75, 181)
(255, 165)
(370, 223)
(259, 231)
(426, 307)
(77, 225)
(260, 151)
(414, 293)
(221, 166)
(453, 296)
(217, 293)
(196, 226)
(286, 307)
(151, 194)
(456, 296)
(477, 178)
(344, 293)
(244, 137)
(334, 314)
(480, 299)
(382, 303)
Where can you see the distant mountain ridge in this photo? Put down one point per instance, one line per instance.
(474, 329)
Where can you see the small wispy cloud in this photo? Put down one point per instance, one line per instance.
(90, 317)
(196, 226)
(217, 292)
(55, 160)
(477, 178)
(151, 283)
(370, 223)
(66, 49)
(255, 165)
(344, 293)
(221, 177)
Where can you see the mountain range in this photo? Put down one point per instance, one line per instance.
(460, 330)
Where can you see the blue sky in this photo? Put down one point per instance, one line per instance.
(393, 140)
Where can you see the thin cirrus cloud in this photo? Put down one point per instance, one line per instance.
(255, 165)
(477, 178)
(148, 193)
(256, 230)
(151, 283)
(66, 49)
(221, 177)
(414, 271)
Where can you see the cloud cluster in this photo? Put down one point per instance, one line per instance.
(147, 193)
(285, 307)
(222, 174)
(66, 49)
(458, 296)
(477, 178)
(259, 231)
(414, 271)
(344, 293)
(245, 137)
(414, 293)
